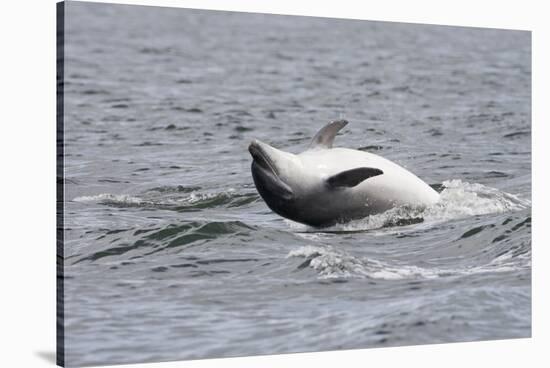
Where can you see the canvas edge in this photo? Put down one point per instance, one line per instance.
(60, 179)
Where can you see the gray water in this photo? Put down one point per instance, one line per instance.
(170, 253)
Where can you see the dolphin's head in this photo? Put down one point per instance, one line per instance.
(276, 175)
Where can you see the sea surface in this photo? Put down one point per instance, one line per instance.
(171, 254)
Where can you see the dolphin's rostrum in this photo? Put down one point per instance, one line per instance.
(323, 185)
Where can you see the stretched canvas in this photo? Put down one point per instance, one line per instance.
(234, 184)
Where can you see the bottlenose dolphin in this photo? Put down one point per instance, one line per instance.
(323, 185)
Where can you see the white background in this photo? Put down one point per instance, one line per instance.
(27, 202)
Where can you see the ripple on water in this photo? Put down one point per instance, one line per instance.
(175, 198)
(145, 242)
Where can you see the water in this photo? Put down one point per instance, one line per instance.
(171, 254)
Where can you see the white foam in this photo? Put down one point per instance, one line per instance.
(331, 263)
(457, 200)
(197, 197)
(110, 198)
(462, 199)
(152, 198)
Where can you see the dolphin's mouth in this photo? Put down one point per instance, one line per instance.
(261, 158)
(266, 176)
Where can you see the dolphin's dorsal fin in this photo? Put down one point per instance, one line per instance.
(350, 178)
(325, 136)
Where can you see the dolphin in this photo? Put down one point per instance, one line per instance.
(323, 186)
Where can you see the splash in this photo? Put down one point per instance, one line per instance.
(458, 200)
(461, 199)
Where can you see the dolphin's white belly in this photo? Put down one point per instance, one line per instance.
(395, 187)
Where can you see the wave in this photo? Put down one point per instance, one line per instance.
(331, 263)
(489, 245)
(140, 242)
(177, 198)
(458, 200)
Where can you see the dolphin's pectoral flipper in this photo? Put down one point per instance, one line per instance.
(351, 178)
(325, 137)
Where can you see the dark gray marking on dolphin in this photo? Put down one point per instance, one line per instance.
(353, 177)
